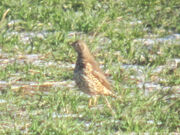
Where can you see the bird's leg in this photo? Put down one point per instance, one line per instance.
(93, 101)
(90, 102)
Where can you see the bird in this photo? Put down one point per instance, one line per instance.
(88, 76)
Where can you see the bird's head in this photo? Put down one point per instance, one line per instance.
(79, 46)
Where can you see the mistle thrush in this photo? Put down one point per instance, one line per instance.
(88, 76)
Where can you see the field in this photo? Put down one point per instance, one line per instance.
(136, 42)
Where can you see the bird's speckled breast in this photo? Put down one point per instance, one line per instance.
(81, 82)
(80, 76)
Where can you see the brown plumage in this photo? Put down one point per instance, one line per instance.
(87, 74)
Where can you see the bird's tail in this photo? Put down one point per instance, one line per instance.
(112, 94)
(115, 96)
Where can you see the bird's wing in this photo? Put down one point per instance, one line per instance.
(101, 77)
(98, 73)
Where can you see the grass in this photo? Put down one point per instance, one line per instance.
(111, 29)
